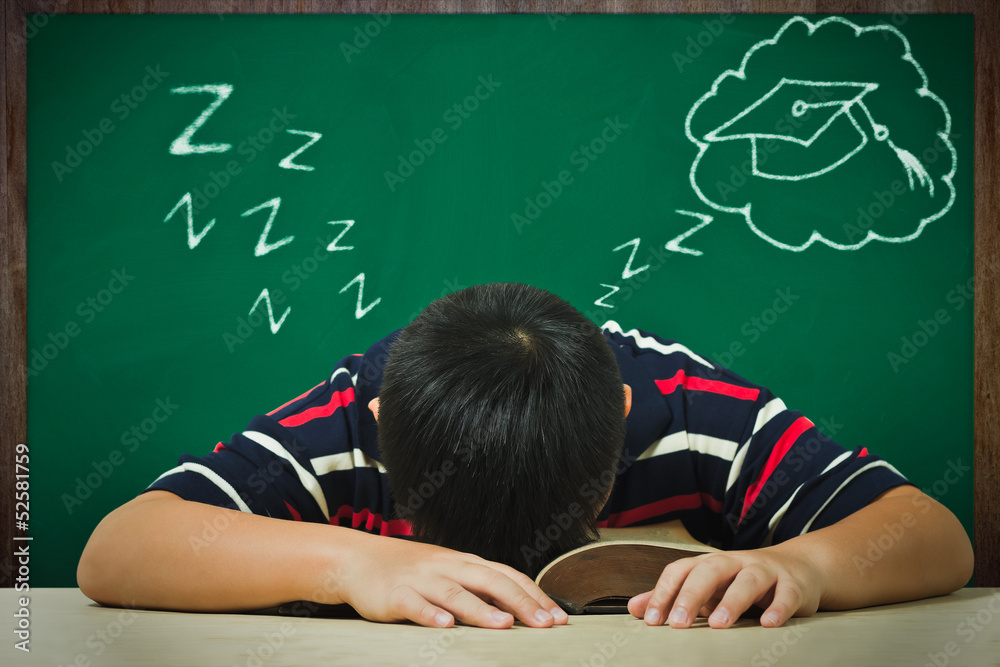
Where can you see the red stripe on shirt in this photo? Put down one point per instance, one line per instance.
(369, 520)
(218, 448)
(338, 400)
(682, 379)
(295, 399)
(295, 515)
(687, 502)
(864, 452)
(785, 442)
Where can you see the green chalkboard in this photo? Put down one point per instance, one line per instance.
(789, 196)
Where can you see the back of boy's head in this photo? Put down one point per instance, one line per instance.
(501, 413)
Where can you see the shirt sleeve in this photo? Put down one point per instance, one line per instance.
(315, 458)
(758, 472)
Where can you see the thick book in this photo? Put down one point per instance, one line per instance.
(601, 577)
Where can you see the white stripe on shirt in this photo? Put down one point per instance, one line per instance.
(344, 461)
(773, 408)
(873, 464)
(308, 481)
(695, 442)
(211, 476)
(342, 370)
(772, 524)
(649, 343)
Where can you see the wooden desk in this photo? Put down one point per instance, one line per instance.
(68, 629)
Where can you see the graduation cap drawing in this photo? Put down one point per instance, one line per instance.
(816, 134)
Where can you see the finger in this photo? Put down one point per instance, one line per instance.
(667, 587)
(531, 588)
(637, 605)
(789, 600)
(466, 606)
(491, 582)
(699, 587)
(406, 603)
(750, 584)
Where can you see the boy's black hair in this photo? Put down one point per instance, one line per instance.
(501, 413)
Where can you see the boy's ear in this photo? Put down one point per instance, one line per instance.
(628, 399)
(373, 406)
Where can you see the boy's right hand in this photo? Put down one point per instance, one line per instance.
(398, 580)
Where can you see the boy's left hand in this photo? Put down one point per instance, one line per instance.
(723, 585)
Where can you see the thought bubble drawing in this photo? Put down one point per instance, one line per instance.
(827, 132)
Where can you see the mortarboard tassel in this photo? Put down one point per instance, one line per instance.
(911, 164)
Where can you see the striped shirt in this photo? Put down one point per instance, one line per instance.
(702, 445)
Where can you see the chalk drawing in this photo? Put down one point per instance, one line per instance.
(192, 238)
(600, 302)
(360, 312)
(182, 145)
(263, 247)
(287, 162)
(847, 103)
(629, 271)
(270, 312)
(674, 244)
(347, 225)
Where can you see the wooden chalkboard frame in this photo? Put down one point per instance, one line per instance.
(13, 198)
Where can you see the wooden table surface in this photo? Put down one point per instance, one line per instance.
(66, 628)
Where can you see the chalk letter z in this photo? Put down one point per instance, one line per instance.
(270, 312)
(192, 238)
(360, 312)
(182, 145)
(263, 247)
(287, 163)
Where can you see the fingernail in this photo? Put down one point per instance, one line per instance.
(501, 616)
(772, 617)
(543, 616)
(720, 615)
(679, 616)
(442, 619)
(559, 614)
(652, 617)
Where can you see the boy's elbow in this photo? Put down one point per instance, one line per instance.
(965, 561)
(91, 574)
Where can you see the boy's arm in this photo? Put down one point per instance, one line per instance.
(160, 551)
(903, 546)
